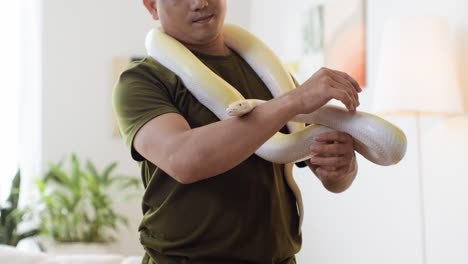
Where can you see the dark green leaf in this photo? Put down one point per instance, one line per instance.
(61, 177)
(13, 198)
(76, 170)
(28, 234)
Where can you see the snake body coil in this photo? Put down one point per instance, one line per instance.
(375, 138)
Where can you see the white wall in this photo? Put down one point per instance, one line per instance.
(80, 38)
(443, 140)
(239, 12)
(378, 220)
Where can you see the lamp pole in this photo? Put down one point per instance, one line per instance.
(422, 208)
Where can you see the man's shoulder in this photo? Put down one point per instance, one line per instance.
(144, 76)
(148, 69)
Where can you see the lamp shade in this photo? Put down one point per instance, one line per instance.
(417, 70)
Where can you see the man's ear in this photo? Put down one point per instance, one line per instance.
(151, 5)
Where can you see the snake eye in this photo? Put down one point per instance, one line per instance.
(240, 104)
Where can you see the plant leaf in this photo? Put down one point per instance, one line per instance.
(92, 169)
(40, 185)
(50, 175)
(107, 171)
(60, 176)
(76, 170)
(13, 198)
(31, 233)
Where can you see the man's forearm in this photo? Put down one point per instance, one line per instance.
(210, 150)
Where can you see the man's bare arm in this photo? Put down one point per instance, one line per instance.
(190, 155)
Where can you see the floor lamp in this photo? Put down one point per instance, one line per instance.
(417, 76)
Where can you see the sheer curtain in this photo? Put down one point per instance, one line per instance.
(20, 93)
(30, 134)
(10, 68)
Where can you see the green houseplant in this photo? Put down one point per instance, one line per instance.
(77, 205)
(11, 216)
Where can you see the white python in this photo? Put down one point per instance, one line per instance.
(375, 138)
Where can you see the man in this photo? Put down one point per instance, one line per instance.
(208, 198)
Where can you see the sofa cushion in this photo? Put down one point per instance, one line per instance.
(12, 255)
(132, 260)
(89, 259)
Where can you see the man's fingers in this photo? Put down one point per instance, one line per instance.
(329, 161)
(329, 168)
(336, 174)
(338, 83)
(344, 97)
(334, 136)
(336, 149)
(347, 84)
(349, 78)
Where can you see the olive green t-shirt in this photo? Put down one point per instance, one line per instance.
(245, 215)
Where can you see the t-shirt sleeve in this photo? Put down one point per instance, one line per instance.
(139, 97)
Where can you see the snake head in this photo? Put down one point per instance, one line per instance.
(239, 108)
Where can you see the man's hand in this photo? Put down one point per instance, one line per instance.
(324, 85)
(334, 162)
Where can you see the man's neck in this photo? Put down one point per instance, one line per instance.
(216, 47)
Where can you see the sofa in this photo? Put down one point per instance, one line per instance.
(13, 255)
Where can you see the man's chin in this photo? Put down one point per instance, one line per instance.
(204, 37)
